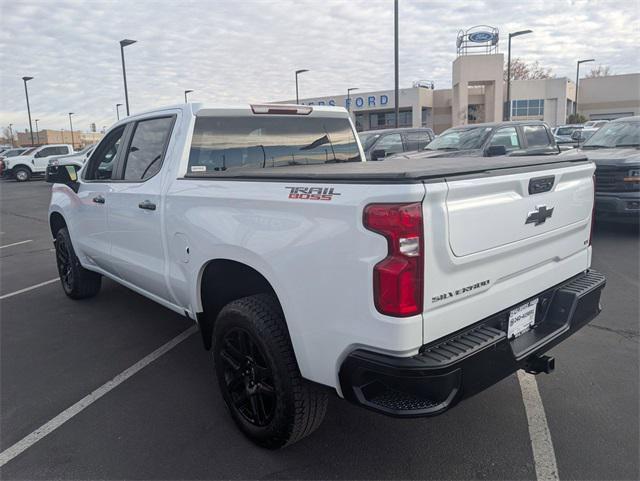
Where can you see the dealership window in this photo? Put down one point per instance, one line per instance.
(426, 116)
(527, 108)
(359, 122)
(387, 120)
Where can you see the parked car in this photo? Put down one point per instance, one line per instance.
(515, 138)
(582, 135)
(8, 153)
(562, 134)
(308, 270)
(615, 149)
(78, 159)
(378, 144)
(34, 162)
(595, 124)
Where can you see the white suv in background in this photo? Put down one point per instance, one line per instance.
(23, 167)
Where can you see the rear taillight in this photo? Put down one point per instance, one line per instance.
(397, 279)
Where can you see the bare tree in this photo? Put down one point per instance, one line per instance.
(600, 71)
(521, 70)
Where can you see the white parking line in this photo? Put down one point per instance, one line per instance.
(29, 440)
(544, 457)
(30, 288)
(17, 243)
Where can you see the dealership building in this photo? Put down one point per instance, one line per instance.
(479, 94)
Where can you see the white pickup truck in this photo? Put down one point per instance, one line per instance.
(404, 286)
(33, 162)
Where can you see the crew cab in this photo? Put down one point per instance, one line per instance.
(515, 138)
(378, 144)
(615, 149)
(34, 162)
(402, 286)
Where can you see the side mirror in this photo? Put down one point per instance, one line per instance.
(496, 150)
(378, 154)
(63, 174)
(575, 135)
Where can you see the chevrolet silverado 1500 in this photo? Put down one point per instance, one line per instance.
(403, 286)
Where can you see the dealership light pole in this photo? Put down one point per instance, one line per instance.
(11, 133)
(123, 44)
(297, 73)
(71, 126)
(511, 35)
(118, 110)
(349, 90)
(186, 92)
(26, 93)
(575, 104)
(37, 133)
(397, 72)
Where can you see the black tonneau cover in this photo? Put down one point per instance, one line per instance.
(401, 170)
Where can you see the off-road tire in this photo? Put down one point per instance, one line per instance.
(299, 406)
(77, 282)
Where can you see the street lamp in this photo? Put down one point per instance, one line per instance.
(185, 95)
(575, 105)
(11, 133)
(26, 93)
(396, 91)
(349, 90)
(123, 44)
(37, 132)
(297, 73)
(118, 110)
(71, 126)
(511, 35)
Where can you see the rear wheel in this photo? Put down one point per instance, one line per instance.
(259, 377)
(77, 282)
(22, 174)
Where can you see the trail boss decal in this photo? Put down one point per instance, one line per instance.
(312, 193)
(457, 292)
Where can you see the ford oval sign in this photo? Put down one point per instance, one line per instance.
(480, 37)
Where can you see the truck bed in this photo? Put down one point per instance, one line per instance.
(401, 170)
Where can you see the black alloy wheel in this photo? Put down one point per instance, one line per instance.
(248, 379)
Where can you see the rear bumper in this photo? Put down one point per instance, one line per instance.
(467, 362)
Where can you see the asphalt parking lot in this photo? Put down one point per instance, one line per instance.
(168, 420)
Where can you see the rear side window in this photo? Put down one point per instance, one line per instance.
(260, 142)
(147, 147)
(61, 150)
(418, 140)
(536, 135)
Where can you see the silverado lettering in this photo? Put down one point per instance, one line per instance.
(457, 292)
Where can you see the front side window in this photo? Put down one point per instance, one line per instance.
(257, 142)
(508, 137)
(102, 161)
(536, 135)
(146, 150)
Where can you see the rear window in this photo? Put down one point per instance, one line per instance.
(232, 143)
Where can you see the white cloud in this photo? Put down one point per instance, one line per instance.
(240, 51)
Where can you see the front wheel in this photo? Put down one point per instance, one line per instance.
(22, 174)
(259, 377)
(77, 282)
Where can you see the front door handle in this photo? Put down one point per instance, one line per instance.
(98, 199)
(147, 205)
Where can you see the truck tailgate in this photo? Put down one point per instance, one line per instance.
(492, 242)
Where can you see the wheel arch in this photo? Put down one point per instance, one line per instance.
(56, 222)
(222, 281)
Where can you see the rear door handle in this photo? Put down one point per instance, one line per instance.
(147, 204)
(98, 199)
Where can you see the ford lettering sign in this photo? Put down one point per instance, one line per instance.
(480, 37)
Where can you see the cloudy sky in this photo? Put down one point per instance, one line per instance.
(237, 51)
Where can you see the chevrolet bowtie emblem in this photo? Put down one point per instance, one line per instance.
(539, 216)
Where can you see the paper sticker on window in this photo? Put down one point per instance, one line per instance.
(198, 168)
